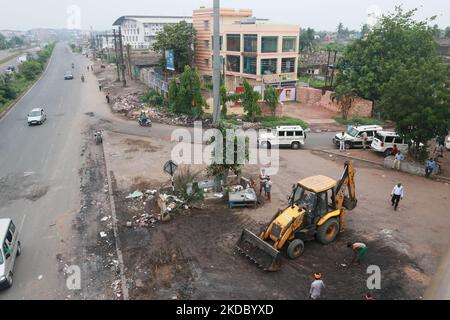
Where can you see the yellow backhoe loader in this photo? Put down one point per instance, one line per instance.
(317, 210)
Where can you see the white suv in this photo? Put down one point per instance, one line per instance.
(285, 136)
(353, 136)
(385, 140)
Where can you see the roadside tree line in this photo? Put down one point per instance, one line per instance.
(12, 85)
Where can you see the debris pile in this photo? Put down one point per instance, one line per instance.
(117, 288)
(127, 103)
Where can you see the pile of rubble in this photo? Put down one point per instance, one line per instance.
(128, 103)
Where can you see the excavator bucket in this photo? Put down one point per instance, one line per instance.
(259, 251)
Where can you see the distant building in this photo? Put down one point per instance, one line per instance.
(263, 53)
(140, 31)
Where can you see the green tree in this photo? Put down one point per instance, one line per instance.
(224, 99)
(365, 30)
(30, 69)
(272, 98)
(307, 40)
(447, 32)
(3, 42)
(417, 98)
(344, 95)
(436, 31)
(186, 96)
(180, 38)
(398, 40)
(221, 169)
(16, 42)
(7, 91)
(250, 100)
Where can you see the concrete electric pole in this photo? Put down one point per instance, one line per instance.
(124, 80)
(216, 63)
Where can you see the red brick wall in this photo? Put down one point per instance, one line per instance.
(316, 98)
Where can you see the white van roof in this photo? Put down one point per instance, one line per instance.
(4, 225)
(364, 128)
(289, 128)
(388, 133)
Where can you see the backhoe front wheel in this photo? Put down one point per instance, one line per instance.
(328, 232)
(295, 249)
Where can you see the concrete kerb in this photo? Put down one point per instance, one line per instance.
(123, 279)
(436, 177)
(5, 112)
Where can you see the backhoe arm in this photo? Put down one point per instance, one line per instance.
(346, 188)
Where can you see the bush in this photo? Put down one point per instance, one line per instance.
(30, 69)
(185, 186)
(272, 122)
(153, 98)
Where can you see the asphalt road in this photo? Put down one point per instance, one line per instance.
(14, 61)
(39, 182)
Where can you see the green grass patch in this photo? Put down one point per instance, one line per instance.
(272, 122)
(359, 121)
(312, 81)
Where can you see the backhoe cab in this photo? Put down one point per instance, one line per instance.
(317, 210)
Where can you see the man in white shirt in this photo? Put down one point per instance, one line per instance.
(342, 146)
(397, 195)
(316, 287)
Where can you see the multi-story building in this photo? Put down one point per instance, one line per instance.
(140, 31)
(264, 53)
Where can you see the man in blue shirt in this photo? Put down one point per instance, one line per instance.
(430, 166)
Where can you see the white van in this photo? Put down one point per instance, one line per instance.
(385, 140)
(283, 136)
(353, 136)
(9, 237)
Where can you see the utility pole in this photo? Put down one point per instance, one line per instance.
(117, 55)
(130, 71)
(122, 57)
(216, 63)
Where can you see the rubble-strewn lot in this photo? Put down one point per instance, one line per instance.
(193, 256)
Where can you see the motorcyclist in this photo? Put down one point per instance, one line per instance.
(73, 66)
(143, 118)
(82, 78)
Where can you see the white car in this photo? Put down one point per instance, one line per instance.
(283, 136)
(36, 116)
(384, 142)
(447, 144)
(353, 136)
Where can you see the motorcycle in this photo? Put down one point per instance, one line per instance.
(98, 137)
(82, 79)
(145, 123)
(73, 66)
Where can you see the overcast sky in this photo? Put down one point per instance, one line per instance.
(100, 14)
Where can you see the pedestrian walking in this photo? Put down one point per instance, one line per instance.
(87, 68)
(359, 249)
(365, 139)
(430, 166)
(107, 98)
(317, 286)
(268, 189)
(398, 161)
(397, 194)
(342, 142)
(99, 87)
(262, 180)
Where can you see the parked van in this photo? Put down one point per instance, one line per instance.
(284, 136)
(353, 137)
(9, 237)
(385, 140)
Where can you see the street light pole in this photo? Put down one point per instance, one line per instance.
(216, 63)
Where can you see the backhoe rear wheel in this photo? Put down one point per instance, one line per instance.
(295, 249)
(328, 232)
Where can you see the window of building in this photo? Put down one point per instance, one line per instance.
(250, 43)
(207, 62)
(234, 63)
(206, 43)
(234, 42)
(249, 65)
(269, 44)
(289, 44)
(206, 24)
(268, 66)
(288, 65)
